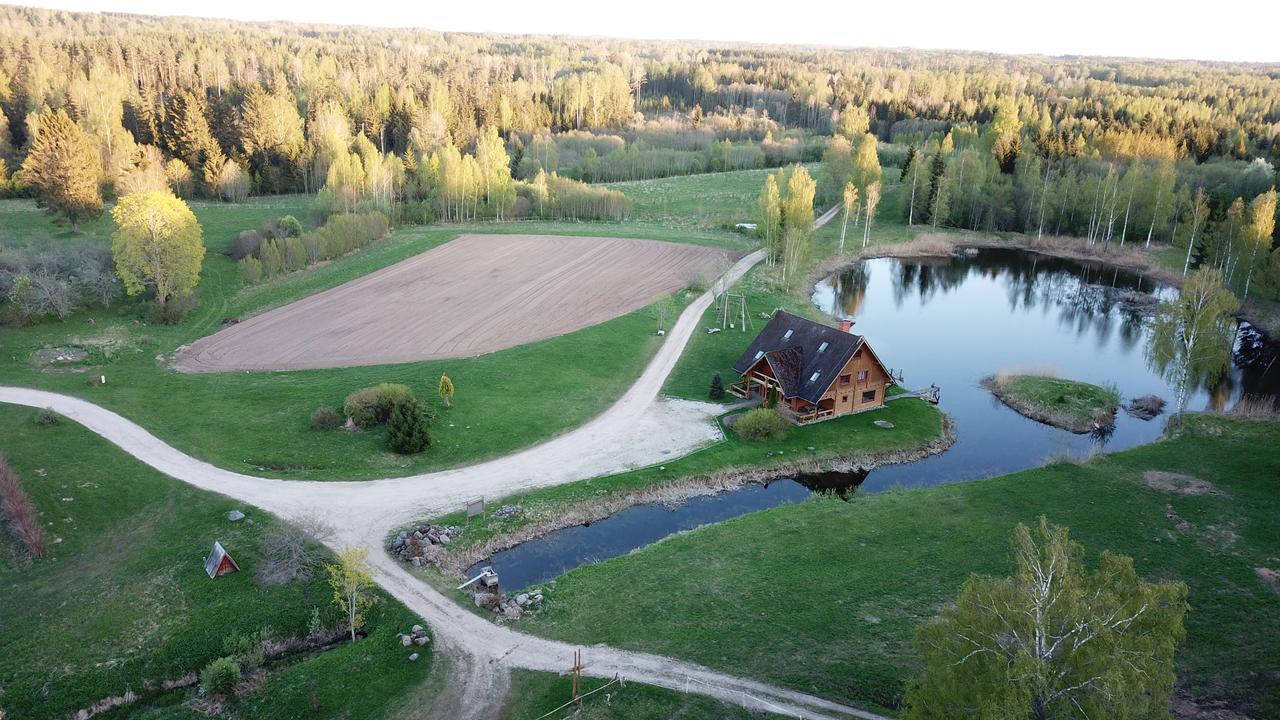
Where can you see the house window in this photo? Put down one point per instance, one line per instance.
(823, 346)
(759, 354)
(786, 335)
(862, 375)
(814, 377)
(844, 379)
(869, 396)
(844, 399)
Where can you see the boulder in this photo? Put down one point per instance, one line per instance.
(522, 599)
(512, 612)
(413, 657)
(417, 561)
(405, 640)
(486, 600)
(235, 515)
(397, 543)
(417, 630)
(423, 640)
(885, 424)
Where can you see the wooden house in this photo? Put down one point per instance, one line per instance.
(812, 371)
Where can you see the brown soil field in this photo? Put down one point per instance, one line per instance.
(474, 295)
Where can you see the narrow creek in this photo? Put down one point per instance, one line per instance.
(951, 321)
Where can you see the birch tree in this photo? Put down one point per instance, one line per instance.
(850, 201)
(769, 216)
(1199, 214)
(1055, 640)
(872, 200)
(351, 578)
(1192, 334)
(1257, 233)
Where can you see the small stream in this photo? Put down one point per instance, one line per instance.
(951, 321)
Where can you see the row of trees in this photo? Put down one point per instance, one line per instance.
(784, 219)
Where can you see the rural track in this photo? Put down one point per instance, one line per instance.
(363, 514)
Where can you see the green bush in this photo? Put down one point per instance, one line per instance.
(173, 311)
(760, 424)
(290, 226)
(407, 428)
(251, 270)
(247, 244)
(46, 416)
(220, 676)
(370, 407)
(325, 418)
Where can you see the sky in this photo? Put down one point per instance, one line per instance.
(1237, 30)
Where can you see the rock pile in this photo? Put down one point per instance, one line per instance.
(1145, 407)
(507, 511)
(417, 636)
(420, 546)
(510, 608)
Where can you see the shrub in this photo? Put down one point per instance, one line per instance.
(19, 513)
(369, 407)
(220, 676)
(47, 417)
(294, 254)
(251, 270)
(173, 311)
(245, 650)
(270, 256)
(325, 418)
(407, 428)
(717, 388)
(362, 407)
(248, 242)
(760, 424)
(290, 226)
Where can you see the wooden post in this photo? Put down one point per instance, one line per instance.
(577, 676)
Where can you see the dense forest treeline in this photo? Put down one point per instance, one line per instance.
(258, 107)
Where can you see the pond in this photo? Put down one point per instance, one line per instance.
(951, 321)
(556, 553)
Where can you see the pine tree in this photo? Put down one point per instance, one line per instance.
(407, 432)
(64, 168)
(717, 387)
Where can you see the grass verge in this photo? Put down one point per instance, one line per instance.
(535, 694)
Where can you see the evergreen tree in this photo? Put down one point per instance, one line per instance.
(407, 432)
(63, 167)
(717, 387)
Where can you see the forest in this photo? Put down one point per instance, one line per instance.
(424, 126)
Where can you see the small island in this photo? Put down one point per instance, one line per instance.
(1075, 406)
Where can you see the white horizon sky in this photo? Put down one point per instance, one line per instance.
(1234, 30)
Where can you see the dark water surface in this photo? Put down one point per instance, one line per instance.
(951, 321)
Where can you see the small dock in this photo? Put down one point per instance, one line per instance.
(930, 394)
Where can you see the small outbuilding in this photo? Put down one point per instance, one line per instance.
(813, 371)
(219, 562)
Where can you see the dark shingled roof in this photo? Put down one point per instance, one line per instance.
(795, 358)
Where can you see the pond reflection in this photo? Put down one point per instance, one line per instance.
(954, 320)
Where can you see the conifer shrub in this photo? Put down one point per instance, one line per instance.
(717, 388)
(251, 270)
(407, 432)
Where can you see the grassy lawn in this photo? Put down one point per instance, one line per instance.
(837, 589)
(534, 694)
(1068, 404)
(121, 599)
(258, 422)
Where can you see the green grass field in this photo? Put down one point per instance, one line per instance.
(837, 589)
(534, 694)
(121, 600)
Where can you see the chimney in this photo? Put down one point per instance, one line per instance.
(845, 325)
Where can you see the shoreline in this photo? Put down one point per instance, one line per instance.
(455, 562)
